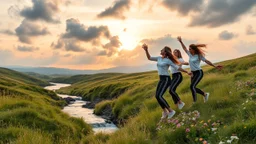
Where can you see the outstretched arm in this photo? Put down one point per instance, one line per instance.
(182, 70)
(182, 44)
(215, 66)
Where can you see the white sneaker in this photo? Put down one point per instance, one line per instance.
(164, 115)
(206, 97)
(181, 105)
(171, 114)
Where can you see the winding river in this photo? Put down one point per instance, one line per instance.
(76, 110)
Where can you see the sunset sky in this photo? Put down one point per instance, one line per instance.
(99, 34)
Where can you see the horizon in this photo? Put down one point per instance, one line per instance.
(98, 35)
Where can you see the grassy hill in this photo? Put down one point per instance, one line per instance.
(230, 110)
(10, 75)
(31, 114)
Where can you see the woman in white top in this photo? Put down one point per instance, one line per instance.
(176, 80)
(163, 62)
(196, 54)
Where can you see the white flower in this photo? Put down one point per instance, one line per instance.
(234, 137)
(221, 142)
(229, 141)
(214, 129)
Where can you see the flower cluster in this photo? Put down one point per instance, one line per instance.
(195, 130)
(233, 139)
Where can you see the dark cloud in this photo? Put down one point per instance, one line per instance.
(59, 44)
(27, 30)
(73, 46)
(27, 49)
(78, 31)
(225, 35)
(111, 47)
(221, 12)
(7, 32)
(250, 30)
(183, 7)
(117, 10)
(42, 10)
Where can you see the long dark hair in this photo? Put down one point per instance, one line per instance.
(198, 48)
(169, 54)
(179, 53)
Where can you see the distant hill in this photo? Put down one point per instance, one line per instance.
(63, 71)
(8, 74)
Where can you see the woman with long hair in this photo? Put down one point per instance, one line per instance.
(176, 80)
(196, 55)
(163, 62)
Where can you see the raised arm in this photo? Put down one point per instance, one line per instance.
(145, 47)
(182, 44)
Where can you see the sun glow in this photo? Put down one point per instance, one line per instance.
(128, 41)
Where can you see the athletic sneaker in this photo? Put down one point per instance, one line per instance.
(181, 105)
(171, 114)
(206, 97)
(164, 115)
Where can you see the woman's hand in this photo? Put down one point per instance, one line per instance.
(190, 74)
(219, 67)
(145, 47)
(179, 38)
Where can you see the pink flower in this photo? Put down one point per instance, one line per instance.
(187, 130)
(178, 125)
(205, 124)
(205, 142)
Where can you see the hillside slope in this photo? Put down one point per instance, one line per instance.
(31, 114)
(130, 99)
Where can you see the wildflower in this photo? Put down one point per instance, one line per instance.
(205, 124)
(192, 125)
(178, 125)
(201, 139)
(187, 130)
(214, 129)
(213, 124)
(234, 137)
(229, 141)
(205, 142)
(221, 142)
(209, 120)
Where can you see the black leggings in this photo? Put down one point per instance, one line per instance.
(197, 76)
(162, 86)
(176, 80)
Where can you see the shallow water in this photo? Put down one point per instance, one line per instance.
(76, 110)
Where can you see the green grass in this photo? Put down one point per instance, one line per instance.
(31, 114)
(131, 97)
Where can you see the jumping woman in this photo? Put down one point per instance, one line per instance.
(163, 62)
(196, 54)
(176, 80)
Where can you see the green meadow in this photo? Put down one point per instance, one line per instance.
(228, 116)
(31, 114)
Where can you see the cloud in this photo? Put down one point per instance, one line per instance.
(221, 12)
(225, 35)
(117, 10)
(7, 32)
(27, 49)
(73, 46)
(111, 47)
(250, 30)
(74, 29)
(76, 34)
(183, 7)
(41, 10)
(6, 56)
(27, 30)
